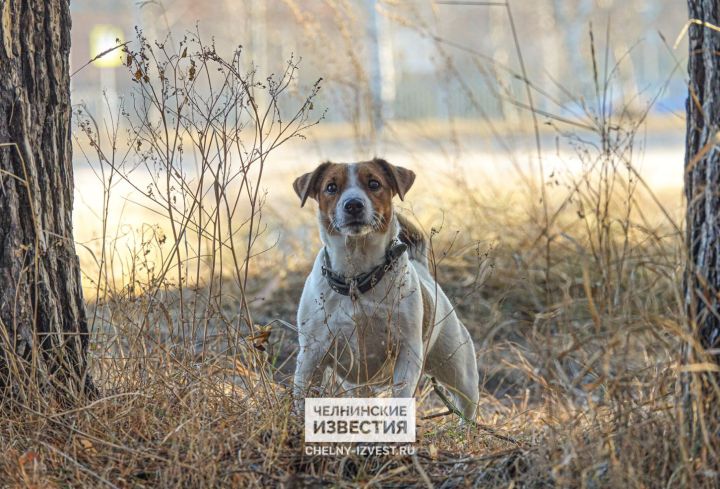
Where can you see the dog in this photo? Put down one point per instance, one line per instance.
(371, 315)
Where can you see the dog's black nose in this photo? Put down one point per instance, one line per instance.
(354, 206)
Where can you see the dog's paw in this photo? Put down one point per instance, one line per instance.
(298, 407)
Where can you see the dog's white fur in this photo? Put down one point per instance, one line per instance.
(378, 338)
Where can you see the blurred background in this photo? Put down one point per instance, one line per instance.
(411, 61)
(423, 80)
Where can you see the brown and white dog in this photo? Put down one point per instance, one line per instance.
(371, 313)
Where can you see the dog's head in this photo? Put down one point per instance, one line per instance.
(355, 199)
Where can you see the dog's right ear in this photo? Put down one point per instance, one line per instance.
(306, 185)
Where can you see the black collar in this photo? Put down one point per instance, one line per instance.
(365, 281)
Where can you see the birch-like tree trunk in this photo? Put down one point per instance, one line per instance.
(702, 190)
(43, 327)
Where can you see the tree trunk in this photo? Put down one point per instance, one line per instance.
(43, 326)
(702, 191)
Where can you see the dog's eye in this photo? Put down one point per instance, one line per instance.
(373, 185)
(331, 188)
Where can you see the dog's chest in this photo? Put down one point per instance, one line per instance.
(363, 333)
(384, 308)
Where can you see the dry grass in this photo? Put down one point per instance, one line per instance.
(590, 404)
(575, 303)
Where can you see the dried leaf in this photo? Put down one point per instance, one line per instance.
(261, 337)
(28, 457)
(88, 446)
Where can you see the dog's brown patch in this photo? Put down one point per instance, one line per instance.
(335, 174)
(315, 184)
(399, 178)
(381, 197)
(307, 185)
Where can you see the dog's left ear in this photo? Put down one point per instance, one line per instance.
(401, 178)
(306, 185)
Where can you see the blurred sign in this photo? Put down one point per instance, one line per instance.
(103, 38)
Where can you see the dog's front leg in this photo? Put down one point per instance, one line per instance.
(308, 372)
(408, 369)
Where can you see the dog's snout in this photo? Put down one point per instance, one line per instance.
(354, 206)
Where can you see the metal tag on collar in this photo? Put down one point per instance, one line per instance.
(354, 293)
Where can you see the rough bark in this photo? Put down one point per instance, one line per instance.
(43, 327)
(702, 190)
